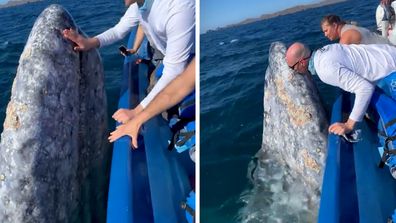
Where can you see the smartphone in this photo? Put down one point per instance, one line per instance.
(124, 50)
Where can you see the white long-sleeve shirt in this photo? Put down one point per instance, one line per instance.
(169, 25)
(129, 20)
(356, 69)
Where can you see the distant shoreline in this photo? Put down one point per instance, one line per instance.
(17, 2)
(291, 10)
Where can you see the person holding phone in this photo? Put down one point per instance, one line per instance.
(124, 51)
(169, 26)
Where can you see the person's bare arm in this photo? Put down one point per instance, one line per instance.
(351, 37)
(138, 40)
(174, 93)
(179, 88)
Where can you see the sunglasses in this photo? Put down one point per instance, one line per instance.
(306, 58)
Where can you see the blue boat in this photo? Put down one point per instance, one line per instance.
(151, 183)
(355, 188)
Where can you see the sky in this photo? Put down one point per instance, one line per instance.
(219, 13)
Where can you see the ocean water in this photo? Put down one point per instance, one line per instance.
(233, 63)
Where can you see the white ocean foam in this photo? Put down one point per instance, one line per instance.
(4, 45)
(278, 198)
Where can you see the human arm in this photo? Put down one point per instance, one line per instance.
(121, 29)
(110, 36)
(138, 40)
(179, 88)
(180, 35)
(180, 31)
(363, 90)
(351, 36)
(170, 96)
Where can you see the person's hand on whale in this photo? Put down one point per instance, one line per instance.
(82, 43)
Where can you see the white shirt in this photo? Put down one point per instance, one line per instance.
(169, 25)
(368, 37)
(379, 16)
(356, 69)
(384, 13)
(129, 20)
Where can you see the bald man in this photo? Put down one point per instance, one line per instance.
(353, 68)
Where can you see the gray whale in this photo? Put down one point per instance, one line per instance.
(287, 171)
(53, 147)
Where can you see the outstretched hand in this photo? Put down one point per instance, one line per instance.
(78, 39)
(124, 115)
(340, 128)
(131, 129)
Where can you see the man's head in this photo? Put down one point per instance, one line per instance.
(297, 57)
(330, 26)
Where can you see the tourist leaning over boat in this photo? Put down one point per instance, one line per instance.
(169, 26)
(179, 88)
(353, 68)
(128, 21)
(334, 28)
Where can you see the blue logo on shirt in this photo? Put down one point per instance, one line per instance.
(323, 49)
